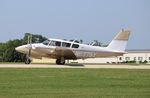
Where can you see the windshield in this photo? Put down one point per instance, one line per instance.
(46, 42)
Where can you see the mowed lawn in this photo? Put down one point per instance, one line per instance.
(74, 83)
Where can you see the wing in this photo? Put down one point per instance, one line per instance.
(67, 53)
(54, 52)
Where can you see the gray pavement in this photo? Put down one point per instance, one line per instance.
(74, 66)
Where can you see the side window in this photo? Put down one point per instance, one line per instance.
(75, 46)
(127, 58)
(140, 58)
(55, 43)
(134, 58)
(58, 43)
(66, 44)
(120, 58)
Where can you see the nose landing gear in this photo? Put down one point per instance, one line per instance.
(27, 60)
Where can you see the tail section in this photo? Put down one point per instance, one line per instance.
(120, 41)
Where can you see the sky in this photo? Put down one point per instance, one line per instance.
(77, 19)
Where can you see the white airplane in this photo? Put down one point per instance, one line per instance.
(62, 50)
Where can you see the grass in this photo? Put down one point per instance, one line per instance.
(74, 83)
(11, 62)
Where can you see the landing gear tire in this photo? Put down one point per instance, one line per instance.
(63, 62)
(60, 61)
(27, 60)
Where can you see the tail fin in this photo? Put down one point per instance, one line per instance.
(120, 41)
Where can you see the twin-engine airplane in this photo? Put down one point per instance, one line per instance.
(62, 50)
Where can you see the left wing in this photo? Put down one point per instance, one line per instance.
(55, 52)
(67, 53)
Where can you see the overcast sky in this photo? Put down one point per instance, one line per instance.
(77, 19)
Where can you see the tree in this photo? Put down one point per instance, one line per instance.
(7, 50)
(35, 38)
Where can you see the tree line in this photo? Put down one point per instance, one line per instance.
(7, 50)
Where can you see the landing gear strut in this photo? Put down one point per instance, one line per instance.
(60, 61)
(27, 60)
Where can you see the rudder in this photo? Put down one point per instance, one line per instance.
(120, 41)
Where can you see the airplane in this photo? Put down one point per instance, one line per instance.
(63, 50)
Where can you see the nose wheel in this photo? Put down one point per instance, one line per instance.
(27, 60)
(60, 61)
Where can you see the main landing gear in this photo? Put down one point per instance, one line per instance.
(60, 61)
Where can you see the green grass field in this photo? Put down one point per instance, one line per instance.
(74, 83)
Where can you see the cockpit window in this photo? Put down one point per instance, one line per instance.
(64, 44)
(75, 46)
(55, 43)
(46, 42)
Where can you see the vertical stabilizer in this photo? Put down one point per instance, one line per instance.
(120, 41)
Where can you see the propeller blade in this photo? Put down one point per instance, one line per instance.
(29, 44)
(29, 52)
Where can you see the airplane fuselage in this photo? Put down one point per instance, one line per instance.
(40, 50)
(63, 50)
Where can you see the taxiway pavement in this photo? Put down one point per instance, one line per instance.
(117, 66)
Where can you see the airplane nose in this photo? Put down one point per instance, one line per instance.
(22, 49)
(18, 48)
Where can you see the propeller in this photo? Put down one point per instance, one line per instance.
(29, 45)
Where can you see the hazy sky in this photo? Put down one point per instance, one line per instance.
(77, 19)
